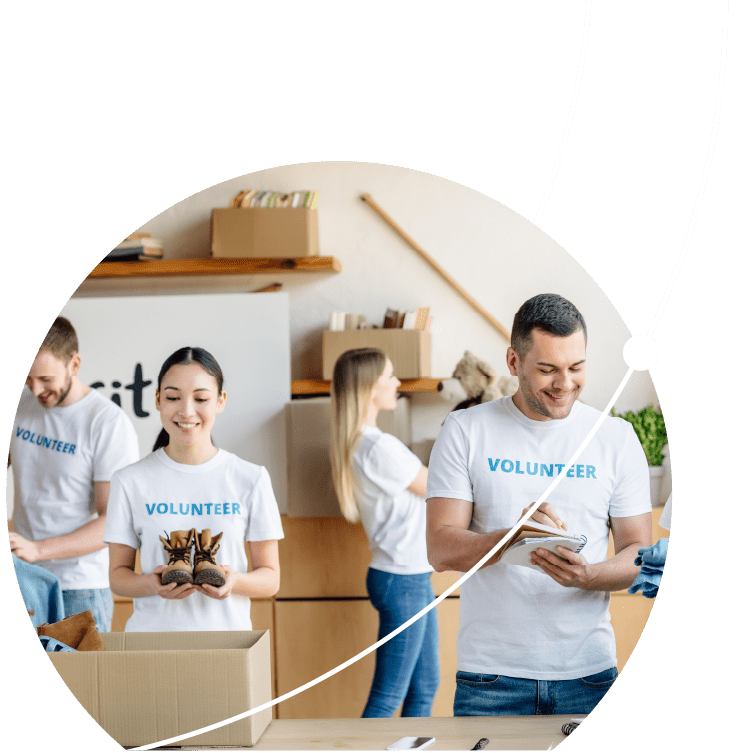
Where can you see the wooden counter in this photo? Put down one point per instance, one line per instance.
(504, 733)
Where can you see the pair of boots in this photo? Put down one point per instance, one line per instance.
(204, 568)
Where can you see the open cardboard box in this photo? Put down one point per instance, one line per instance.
(148, 687)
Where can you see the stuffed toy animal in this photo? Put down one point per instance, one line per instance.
(475, 381)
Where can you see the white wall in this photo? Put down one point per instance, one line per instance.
(497, 256)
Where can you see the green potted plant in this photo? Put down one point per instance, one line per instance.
(649, 425)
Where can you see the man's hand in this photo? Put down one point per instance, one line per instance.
(222, 592)
(25, 550)
(567, 567)
(171, 590)
(546, 515)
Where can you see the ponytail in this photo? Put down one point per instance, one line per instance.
(161, 441)
(355, 374)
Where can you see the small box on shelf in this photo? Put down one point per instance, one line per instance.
(265, 233)
(408, 349)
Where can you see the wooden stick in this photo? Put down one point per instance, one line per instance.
(270, 288)
(438, 268)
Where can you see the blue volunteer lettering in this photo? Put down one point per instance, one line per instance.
(58, 445)
(541, 469)
(220, 508)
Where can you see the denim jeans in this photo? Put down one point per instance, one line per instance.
(407, 668)
(98, 600)
(497, 695)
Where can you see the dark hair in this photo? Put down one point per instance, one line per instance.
(187, 356)
(549, 312)
(61, 340)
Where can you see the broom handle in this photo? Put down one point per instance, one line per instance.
(368, 199)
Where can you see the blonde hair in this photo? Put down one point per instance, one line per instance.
(355, 374)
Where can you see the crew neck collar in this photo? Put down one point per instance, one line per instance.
(73, 406)
(189, 468)
(552, 425)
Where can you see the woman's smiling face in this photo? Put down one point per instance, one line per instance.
(188, 401)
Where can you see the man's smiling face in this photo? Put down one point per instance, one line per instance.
(551, 374)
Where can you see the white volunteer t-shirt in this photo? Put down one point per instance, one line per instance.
(157, 496)
(392, 515)
(516, 621)
(57, 454)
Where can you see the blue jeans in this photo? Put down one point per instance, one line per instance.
(98, 600)
(497, 695)
(407, 668)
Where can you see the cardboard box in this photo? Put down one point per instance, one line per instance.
(310, 485)
(276, 233)
(408, 349)
(148, 687)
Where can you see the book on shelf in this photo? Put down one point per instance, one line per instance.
(155, 253)
(132, 256)
(261, 199)
(532, 536)
(139, 241)
(390, 318)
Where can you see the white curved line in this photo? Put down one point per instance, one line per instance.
(705, 175)
(578, 452)
(423, 611)
(571, 111)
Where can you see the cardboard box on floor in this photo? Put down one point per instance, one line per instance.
(148, 687)
(408, 349)
(275, 233)
(310, 485)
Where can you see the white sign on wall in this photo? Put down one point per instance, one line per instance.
(123, 342)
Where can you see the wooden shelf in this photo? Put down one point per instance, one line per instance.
(194, 267)
(323, 386)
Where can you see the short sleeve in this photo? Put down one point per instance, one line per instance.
(390, 465)
(264, 521)
(448, 472)
(631, 492)
(116, 445)
(118, 527)
(667, 513)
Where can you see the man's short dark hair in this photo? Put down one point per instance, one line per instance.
(549, 312)
(61, 340)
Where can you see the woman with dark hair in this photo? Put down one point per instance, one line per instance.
(381, 482)
(196, 495)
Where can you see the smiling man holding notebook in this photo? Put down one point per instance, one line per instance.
(537, 639)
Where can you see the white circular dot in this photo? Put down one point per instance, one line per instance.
(640, 352)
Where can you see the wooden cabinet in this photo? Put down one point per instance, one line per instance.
(313, 637)
(322, 558)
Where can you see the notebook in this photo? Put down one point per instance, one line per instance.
(533, 536)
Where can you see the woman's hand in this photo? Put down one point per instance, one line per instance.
(171, 590)
(230, 578)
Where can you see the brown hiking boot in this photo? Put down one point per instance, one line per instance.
(179, 546)
(205, 568)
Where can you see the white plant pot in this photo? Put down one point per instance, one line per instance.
(656, 474)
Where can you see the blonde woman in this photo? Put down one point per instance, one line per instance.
(381, 482)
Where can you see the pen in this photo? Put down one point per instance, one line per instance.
(481, 743)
